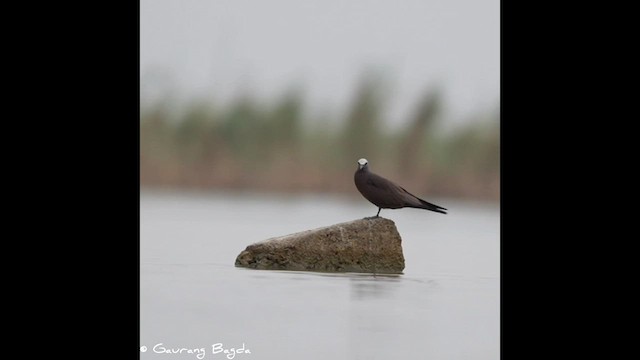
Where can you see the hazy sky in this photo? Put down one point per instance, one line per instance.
(221, 48)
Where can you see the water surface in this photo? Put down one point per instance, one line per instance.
(444, 306)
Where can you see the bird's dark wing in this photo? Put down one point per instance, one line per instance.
(425, 204)
(386, 192)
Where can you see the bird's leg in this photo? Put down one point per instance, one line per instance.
(374, 217)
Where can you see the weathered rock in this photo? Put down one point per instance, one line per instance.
(371, 245)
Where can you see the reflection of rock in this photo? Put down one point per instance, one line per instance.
(373, 287)
(371, 245)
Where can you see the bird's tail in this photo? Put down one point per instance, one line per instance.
(429, 206)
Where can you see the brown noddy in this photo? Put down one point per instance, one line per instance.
(385, 194)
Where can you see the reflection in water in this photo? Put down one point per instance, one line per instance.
(372, 286)
(381, 317)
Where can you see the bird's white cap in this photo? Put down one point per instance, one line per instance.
(362, 162)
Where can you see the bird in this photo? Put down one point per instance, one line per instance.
(385, 194)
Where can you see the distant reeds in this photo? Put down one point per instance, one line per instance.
(279, 147)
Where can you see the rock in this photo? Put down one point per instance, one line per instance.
(370, 245)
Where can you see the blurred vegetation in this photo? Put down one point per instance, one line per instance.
(279, 147)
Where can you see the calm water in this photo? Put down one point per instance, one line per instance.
(444, 306)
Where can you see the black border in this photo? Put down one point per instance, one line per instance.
(539, 122)
(97, 141)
